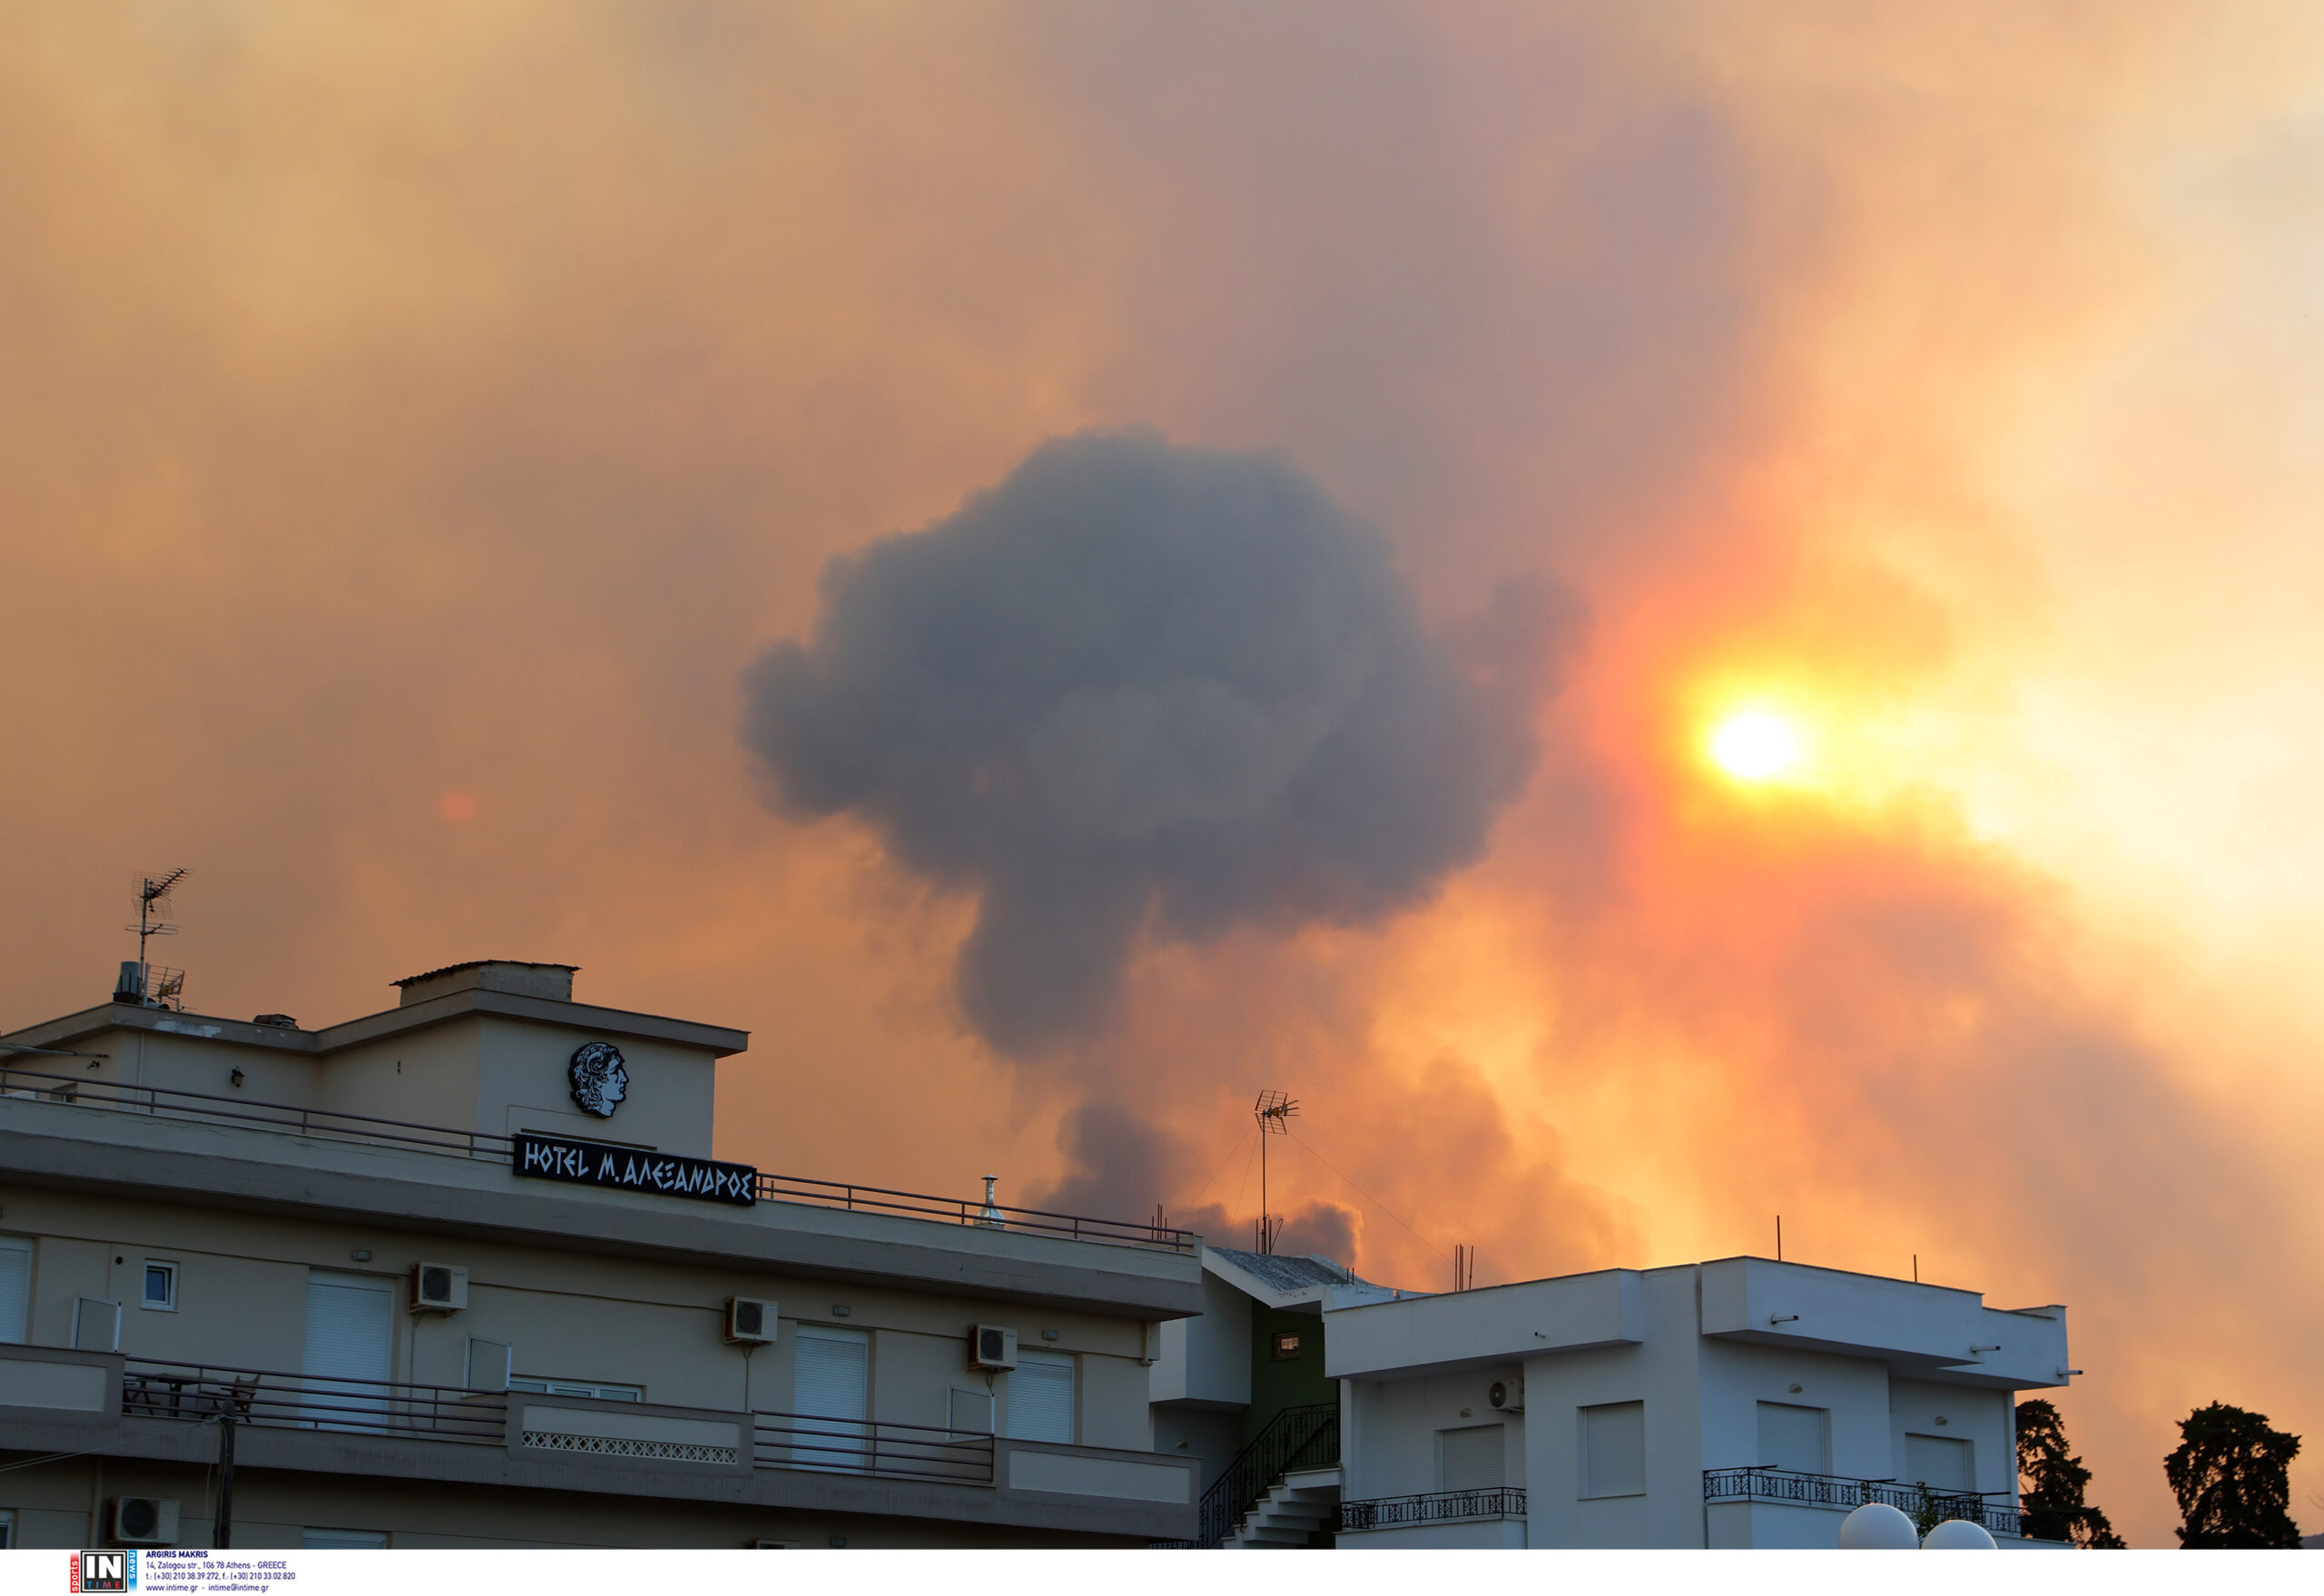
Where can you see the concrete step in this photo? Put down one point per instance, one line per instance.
(1292, 1513)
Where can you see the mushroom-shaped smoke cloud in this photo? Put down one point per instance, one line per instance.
(1143, 689)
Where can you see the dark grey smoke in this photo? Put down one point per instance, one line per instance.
(1119, 1165)
(1137, 688)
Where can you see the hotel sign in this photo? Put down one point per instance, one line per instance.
(590, 1163)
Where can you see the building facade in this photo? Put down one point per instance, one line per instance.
(1243, 1389)
(465, 1272)
(1742, 1402)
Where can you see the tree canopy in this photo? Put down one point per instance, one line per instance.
(2232, 1476)
(2054, 1482)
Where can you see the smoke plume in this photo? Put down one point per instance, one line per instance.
(1140, 687)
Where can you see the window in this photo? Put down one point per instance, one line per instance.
(831, 1386)
(1940, 1461)
(1286, 1346)
(16, 1287)
(7, 1529)
(1040, 1397)
(161, 1285)
(1793, 1437)
(96, 1324)
(968, 1413)
(596, 1393)
(349, 1350)
(1613, 1449)
(343, 1540)
(1473, 1458)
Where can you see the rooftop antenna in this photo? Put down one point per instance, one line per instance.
(154, 905)
(1271, 1111)
(1464, 1267)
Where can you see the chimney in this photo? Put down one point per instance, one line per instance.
(129, 986)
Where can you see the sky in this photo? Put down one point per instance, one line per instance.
(531, 483)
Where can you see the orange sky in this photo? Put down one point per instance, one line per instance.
(409, 431)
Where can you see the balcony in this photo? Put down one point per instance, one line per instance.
(1435, 1507)
(1921, 1503)
(1482, 1519)
(330, 1125)
(53, 1399)
(869, 1449)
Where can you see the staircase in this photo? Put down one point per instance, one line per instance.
(1295, 1510)
(1255, 1501)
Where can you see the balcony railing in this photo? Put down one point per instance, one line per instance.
(1435, 1507)
(1306, 1437)
(155, 1390)
(875, 1449)
(1918, 1502)
(209, 1107)
(327, 1124)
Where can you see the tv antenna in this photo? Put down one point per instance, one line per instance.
(154, 905)
(1272, 1109)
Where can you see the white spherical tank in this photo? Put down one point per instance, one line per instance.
(1959, 1535)
(1878, 1527)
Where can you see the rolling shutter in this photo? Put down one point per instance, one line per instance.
(1473, 1459)
(831, 1382)
(15, 1289)
(1791, 1437)
(350, 1349)
(1040, 1397)
(1937, 1460)
(1613, 1449)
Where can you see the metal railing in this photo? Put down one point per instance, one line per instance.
(1295, 1438)
(1922, 1502)
(156, 1390)
(209, 1107)
(1435, 1507)
(169, 1102)
(877, 1449)
(873, 1447)
(833, 1194)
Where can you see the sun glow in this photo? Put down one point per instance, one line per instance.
(1755, 745)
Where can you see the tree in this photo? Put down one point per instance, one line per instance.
(2232, 1477)
(2055, 1481)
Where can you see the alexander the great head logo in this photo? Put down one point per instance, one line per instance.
(600, 1081)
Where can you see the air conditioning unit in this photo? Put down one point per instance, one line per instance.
(750, 1322)
(439, 1288)
(992, 1348)
(1507, 1396)
(145, 1521)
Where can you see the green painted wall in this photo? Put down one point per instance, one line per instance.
(1297, 1381)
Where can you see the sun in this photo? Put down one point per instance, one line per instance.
(1755, 745)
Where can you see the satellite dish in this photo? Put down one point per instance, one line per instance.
(1959, 1535)
(1877, 1527)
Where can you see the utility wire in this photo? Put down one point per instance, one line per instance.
(1344, 1175)
(33, 1463)
(1244, 1184)
(1216, 1173)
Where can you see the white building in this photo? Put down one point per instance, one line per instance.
(1736, 1403)
(465, 1272)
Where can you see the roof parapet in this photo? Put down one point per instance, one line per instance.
(518, 977)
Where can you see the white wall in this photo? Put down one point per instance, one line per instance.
(1206, 1359)
(1700, 1386)
(1396, 1424)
